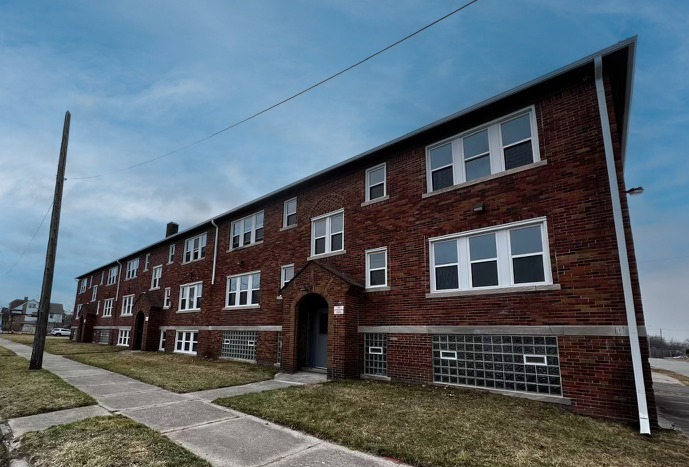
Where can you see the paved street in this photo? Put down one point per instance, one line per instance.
(222, 436)
(680, 366)
(672, 397)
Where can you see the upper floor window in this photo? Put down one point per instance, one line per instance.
(248, 230)
(286, 274)
(78, 311)
(112, 275)
(171, 254)
(290, 213)
(195, 248)
(155, 277)
(500, 145)
(167, 301)
(90, 281)
(94, 293)
(327, 233)
(82, 286)
(190, 296)
(376, 268)
(132, 267)
(127, 305)
(244, 289)
(376, 186)
(148, 256)
(102, 276)
(107, 307)
(506, 256)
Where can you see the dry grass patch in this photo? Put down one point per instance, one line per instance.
(26, 392)
(105, 442)
(681, 378)
(64, 346)
(178, 373)
(6, 352)
(430, 426)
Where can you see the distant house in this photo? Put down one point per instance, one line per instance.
(22, 315)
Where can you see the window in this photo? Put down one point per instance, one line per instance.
(94, 293)
(97, 309)
(82, 287)
(240, 345)
(501, 145)
(102, 276)
(376, 186)
(161, 346)
(195, 248)
(248, 230)
(107, 307)
(79, 310)
(112, 275)
(148, 256)
(505, 256)
(327, 233)
(286, 274)
(155, 277)
(186, 342)
(190, 297)
(90, 281)
(104, 337)
(123, 337)
(127, 305)
(171, 254)
(244, 290)
(132, 267)
(167, 302)
(376, 354)
(376, 268)
(290, 213)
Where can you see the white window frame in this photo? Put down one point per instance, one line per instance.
(184, 296)
(369, 270)
(250, 290)
(102, 276)
(90, 281)
(123, 337)
(107, 307)
(283, 270)
(241, 223)
(286, 213)
(97, 308)
(384, 183)
(82, 286)
(112, 275)
(146, 261)
(127, 305)
(94, 293)
(156, 277)
(78, 310)
(496, 149)
(190, 337)
(195, 254)
(132, 268)
(504, 256)
(328, 233)
(161, 341)
(167, 300)
(171, 254)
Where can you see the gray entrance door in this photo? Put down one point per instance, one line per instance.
(317, 353)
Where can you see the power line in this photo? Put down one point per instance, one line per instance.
(282, 102)
(34, 236)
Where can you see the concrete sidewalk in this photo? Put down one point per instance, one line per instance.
(222, 436)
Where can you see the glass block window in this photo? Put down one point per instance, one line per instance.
(239, 344)
(279, 349)
(104, 336)
(513, 363)
(376, 354)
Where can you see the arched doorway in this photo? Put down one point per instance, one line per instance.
(139, 331)
(313, 332)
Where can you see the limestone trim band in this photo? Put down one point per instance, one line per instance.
(222, 328)
(600, 331)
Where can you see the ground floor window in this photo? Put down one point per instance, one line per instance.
(104, 336)
(239, 344)
(161, 346)
(186, 342)
(514, 363)
(376, 354)
(278, 358)
(123, 337)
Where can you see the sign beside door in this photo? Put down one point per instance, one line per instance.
(339, 310)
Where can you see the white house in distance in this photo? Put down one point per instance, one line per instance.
(23, 315)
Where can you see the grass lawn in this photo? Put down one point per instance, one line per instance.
(63, 346)
(178, 373)
(681, 378)
(431, 426)
(105, 442)
(29, 392)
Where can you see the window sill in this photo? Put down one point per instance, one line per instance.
(125, 315)
(377, 289)
(525, 395)
(154, 288)
(245, 246)
(501, 290)
(289, 227)
(374, 201)
(241, 307)
(326, 255)
(193, 260)
(192, 310)
(129, 278)
(108, 317)
(169, 263)
(533, 165)
(122, 345)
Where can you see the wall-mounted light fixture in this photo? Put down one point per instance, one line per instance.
(635, 191)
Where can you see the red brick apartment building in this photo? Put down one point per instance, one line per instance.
(485, 250)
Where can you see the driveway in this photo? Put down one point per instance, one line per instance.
(672, 397)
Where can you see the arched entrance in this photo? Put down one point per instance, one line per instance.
(139, 331)
(313, 332)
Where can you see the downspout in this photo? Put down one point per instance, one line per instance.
(119, 276)
(644, 423)
(215, 250)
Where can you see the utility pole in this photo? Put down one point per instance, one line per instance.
(662, 345)
(47, 289)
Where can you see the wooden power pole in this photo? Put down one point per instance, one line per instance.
(47, 289)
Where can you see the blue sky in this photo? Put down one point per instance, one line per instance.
(144, 78)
